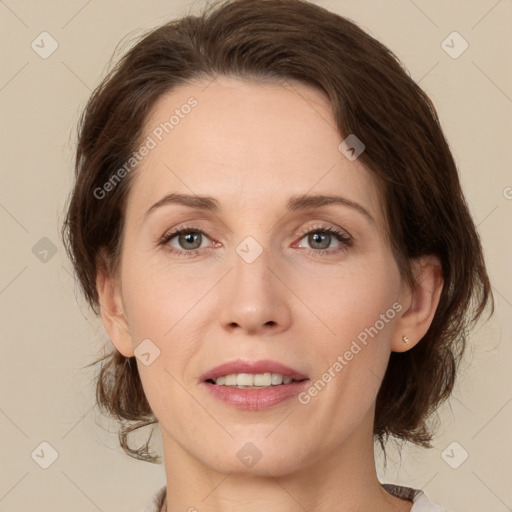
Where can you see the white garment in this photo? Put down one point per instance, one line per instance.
(423, 504)
(420, 501)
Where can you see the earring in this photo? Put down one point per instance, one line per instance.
(405, 339)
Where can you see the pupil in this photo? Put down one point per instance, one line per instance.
(315, 238)
(189, 238)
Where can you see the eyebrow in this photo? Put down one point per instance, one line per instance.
(295, 203)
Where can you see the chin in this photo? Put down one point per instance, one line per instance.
(255, 456)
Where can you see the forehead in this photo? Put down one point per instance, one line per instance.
(252, 145)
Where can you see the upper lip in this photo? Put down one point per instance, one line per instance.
(261, 366)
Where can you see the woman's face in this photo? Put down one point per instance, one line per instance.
(255, 286)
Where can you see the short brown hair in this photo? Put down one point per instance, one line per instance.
(372, 96)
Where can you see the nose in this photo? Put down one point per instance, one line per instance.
(255, 298)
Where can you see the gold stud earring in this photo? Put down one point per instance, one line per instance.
(405, 339)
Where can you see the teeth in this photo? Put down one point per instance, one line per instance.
(249, 380)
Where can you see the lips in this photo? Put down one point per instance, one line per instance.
(261, 366)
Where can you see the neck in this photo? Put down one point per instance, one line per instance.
(343, 479)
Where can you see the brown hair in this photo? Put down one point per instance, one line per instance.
(372, 96)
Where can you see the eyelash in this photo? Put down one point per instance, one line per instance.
(339, 235)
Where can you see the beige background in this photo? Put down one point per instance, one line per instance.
(49, 335)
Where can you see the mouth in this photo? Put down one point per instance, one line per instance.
(253, 381)
(253, 386)
(253, 374)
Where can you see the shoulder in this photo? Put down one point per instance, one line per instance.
(156, 502)
(420, 501)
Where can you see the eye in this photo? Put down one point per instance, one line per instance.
(320, 238)
(189, 241)
(188, 238)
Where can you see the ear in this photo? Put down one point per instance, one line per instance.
(112, 314)
(419, 304)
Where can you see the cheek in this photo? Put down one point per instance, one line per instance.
(359, 309)
(157, 295)
(161, 306)
(347, 299)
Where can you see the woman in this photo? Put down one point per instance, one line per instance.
(270, 222)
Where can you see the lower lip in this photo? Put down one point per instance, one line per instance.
(255, 399)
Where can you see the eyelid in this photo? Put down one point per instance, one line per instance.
(171, 233)
(323, 225)
(319, 225)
